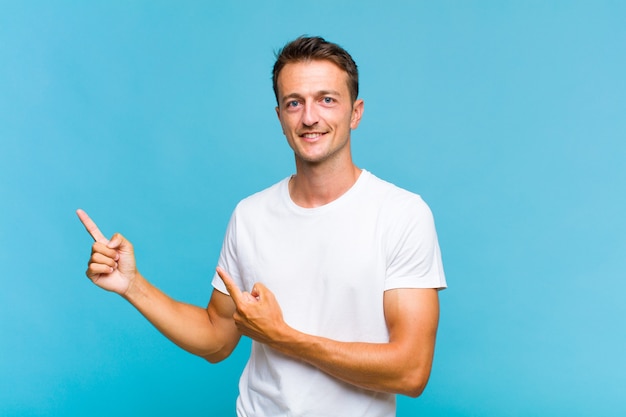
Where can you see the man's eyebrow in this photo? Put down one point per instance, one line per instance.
(328, 93)
(290, 96)
(317, 94)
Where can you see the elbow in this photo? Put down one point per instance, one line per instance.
(211, 359)
(217, 354)
(218, 351)
(413, 384)
(215, 357)
(414, 391)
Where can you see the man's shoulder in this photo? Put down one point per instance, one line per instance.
(269, 195)
(391, 193)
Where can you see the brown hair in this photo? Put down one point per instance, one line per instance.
(312, 48)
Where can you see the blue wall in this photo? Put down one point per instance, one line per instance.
(157, 117)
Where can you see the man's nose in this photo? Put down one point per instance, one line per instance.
(310, 114)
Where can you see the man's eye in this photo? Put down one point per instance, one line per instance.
(328, 100)
(293, 103)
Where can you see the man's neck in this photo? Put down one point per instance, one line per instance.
(315, 186)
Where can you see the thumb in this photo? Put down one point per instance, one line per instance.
(260, 291)
(249, 297)
(119, 242)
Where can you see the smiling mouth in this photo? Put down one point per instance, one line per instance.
(312, 135)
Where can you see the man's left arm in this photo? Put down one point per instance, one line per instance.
(400, 366)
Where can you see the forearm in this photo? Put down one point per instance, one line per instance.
(387, 367)
(402, 365)
(188, 326)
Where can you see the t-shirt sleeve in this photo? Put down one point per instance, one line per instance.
(228, 256)
(412, 247)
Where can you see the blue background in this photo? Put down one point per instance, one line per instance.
(157, 117)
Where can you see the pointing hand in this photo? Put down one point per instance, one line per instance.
(112, 263)
(258, 314)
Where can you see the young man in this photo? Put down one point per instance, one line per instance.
(332, 272)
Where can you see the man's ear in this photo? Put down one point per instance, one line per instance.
(277, 108)
(357, 113)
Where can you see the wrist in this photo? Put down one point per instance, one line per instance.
(290, 342)
(135, 287)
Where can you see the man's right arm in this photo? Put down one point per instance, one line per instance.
(210, 333)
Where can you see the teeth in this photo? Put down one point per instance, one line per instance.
(311, 135)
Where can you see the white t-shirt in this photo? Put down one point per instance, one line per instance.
(328, 268)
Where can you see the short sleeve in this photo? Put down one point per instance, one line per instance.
(411, 244)
(228, 256)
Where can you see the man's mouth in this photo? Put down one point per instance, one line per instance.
(312, 135)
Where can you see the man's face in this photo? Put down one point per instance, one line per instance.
(315, 110)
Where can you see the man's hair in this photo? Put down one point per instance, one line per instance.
(315, 48)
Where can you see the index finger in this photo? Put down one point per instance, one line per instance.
(91, 227)
(233, 289)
